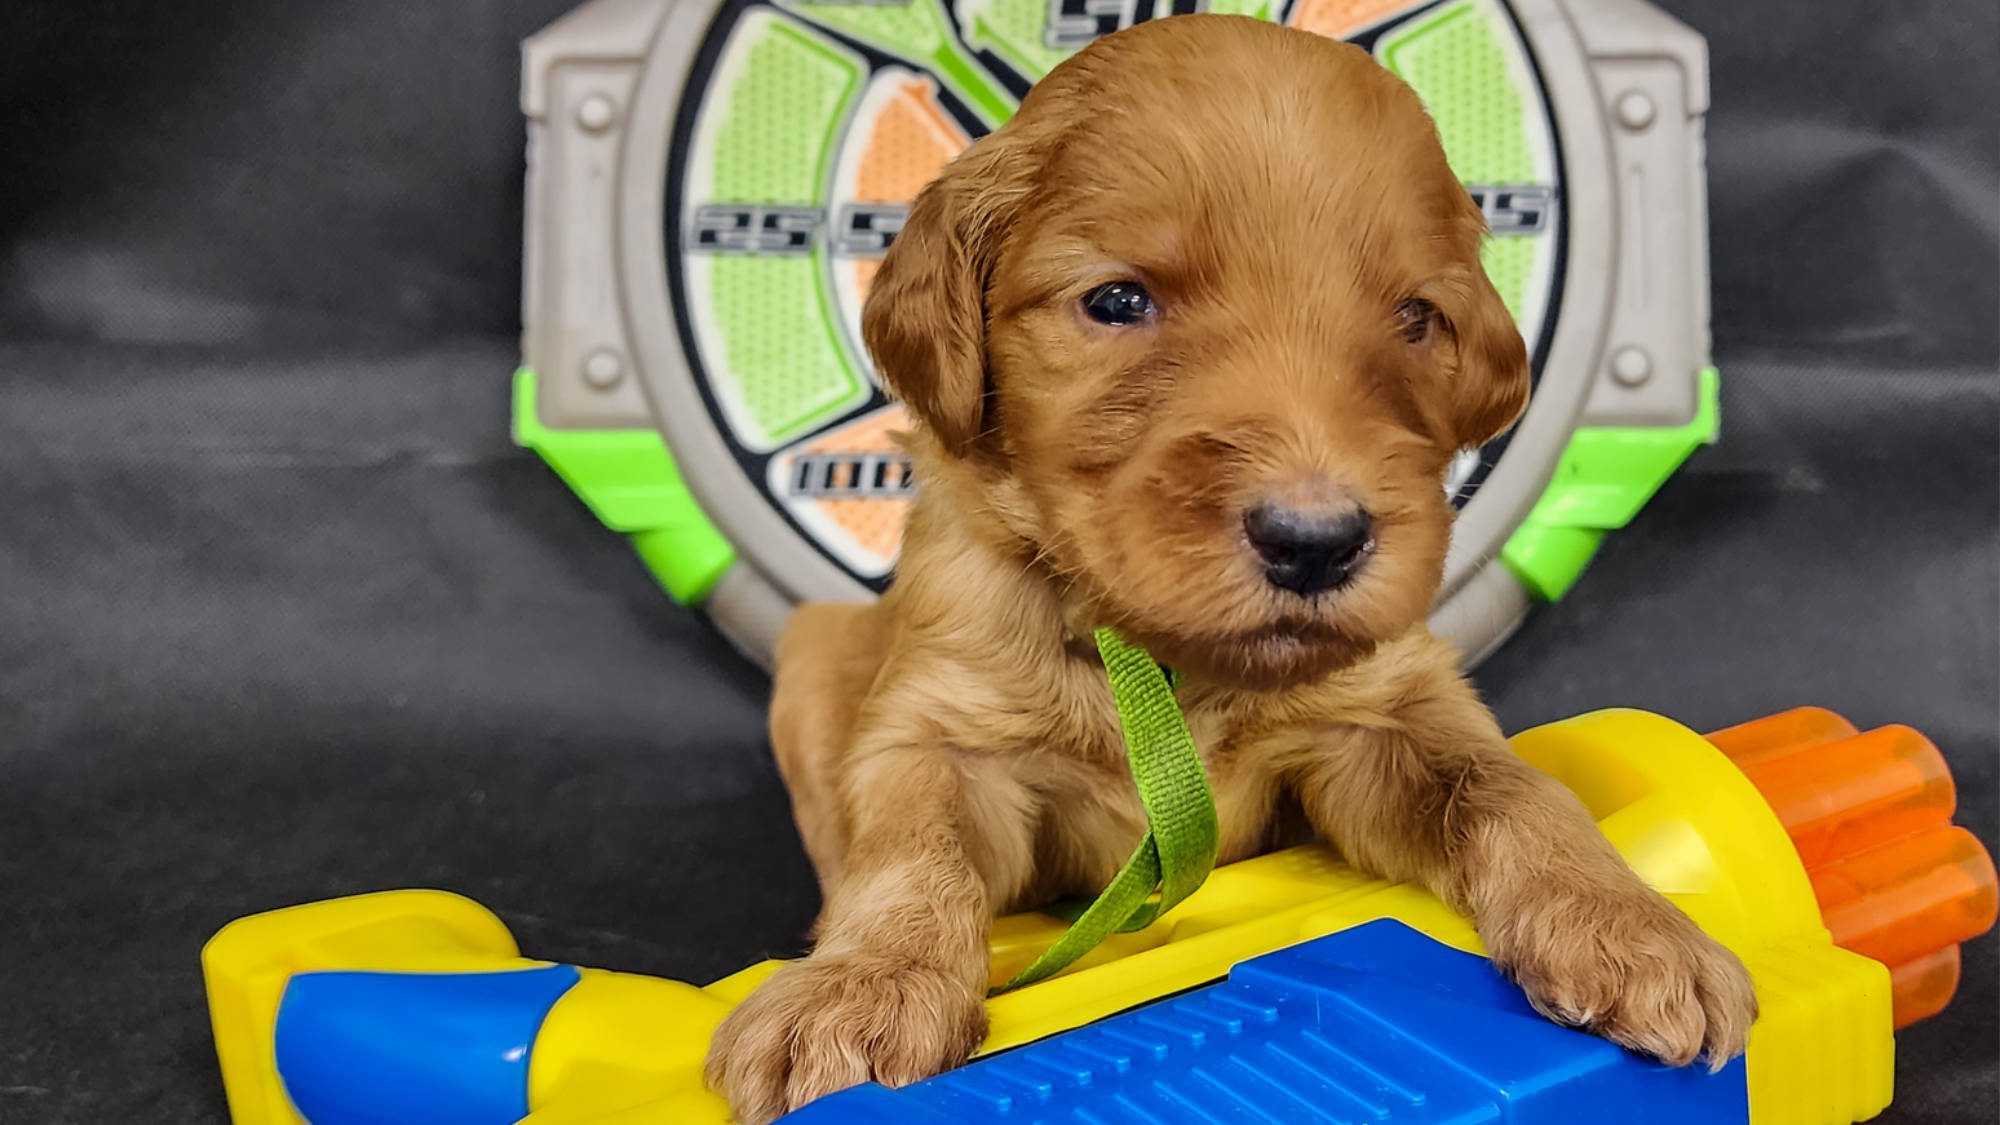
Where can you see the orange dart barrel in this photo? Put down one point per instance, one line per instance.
(1870, 814)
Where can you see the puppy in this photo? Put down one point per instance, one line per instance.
(1189, 345)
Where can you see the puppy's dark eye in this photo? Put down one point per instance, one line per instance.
(1120, 303)
(1416, 319)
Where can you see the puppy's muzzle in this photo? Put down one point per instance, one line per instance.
(1309, 552)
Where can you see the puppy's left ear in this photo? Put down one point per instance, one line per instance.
(925, 318)
(1489, 388)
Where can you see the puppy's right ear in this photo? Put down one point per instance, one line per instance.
(1490, 385)
(925, 318)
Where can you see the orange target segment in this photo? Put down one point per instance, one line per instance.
(853, 483)
(908, 142)
(1338, 19)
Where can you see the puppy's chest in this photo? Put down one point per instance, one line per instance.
(1093, 817)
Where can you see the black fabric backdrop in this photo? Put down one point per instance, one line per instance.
(283, 615)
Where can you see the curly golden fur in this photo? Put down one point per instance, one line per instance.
(1317, 335)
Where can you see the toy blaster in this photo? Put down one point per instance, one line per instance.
(1289, 987)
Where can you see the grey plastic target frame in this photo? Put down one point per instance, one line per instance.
(686, 156)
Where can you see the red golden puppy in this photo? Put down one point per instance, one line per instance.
(1190, 344)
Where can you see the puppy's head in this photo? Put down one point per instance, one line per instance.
(1207, 322)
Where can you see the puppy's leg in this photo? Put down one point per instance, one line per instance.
(1429, 791)
(894, 989)
(826, 661)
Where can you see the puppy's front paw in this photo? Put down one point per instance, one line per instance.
(1632, 968)
(827, 1023)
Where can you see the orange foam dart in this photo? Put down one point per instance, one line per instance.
(1844, 796)
(1870, 814)
(1781, 733)
(1907, 899)
(1921, 988)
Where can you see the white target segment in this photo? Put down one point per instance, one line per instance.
(715, 182)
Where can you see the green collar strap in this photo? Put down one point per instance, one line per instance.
(1179, 848)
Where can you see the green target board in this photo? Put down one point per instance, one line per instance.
(713, 183)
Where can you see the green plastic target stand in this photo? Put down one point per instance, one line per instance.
(711, 184)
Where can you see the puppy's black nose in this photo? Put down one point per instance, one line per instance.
(1307, 552)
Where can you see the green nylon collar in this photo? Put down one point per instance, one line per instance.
(1179, 848)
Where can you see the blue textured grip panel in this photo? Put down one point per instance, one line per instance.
(413, 1048)
(1374, 1024)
